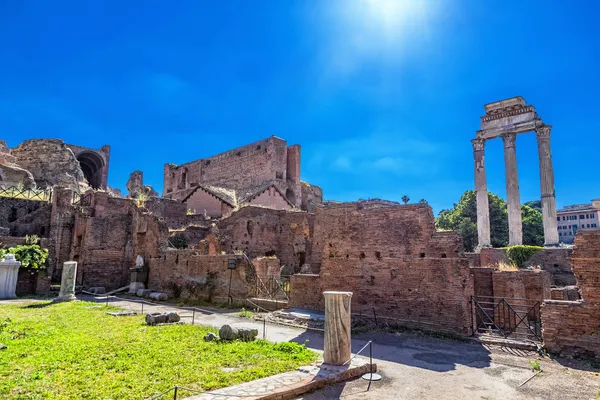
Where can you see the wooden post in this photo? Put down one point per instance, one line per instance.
(337, 344)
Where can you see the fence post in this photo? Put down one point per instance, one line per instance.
(193, 316)
(142, 307)
(175, 393)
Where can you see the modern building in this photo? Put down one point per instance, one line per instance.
(576, 217)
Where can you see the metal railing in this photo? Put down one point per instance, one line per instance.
(19, 192)
(510, 318)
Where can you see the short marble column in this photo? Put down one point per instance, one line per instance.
(483, 208)
(337, 346)
(513, 198)
(9, 273)
(67, 283)
(547, 186)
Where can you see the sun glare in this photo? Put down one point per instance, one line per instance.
(393, 16)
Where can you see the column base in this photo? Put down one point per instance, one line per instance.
(68, 297)
(482, 246)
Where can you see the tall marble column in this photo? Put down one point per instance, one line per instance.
(513, 198)
(547, 186)
(337, 344)
(483, 208)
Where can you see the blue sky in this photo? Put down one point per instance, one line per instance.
(384, 96)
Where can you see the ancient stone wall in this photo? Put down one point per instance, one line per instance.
(199, 276)
(12, 210)
(523, 284)
(266, 266)
(245, 166)
(556, 262)
(35, 223)
(573, 327)
(104, 237)
(50, 161)
(394, 262)
(483, 281)
(261, 231)
(311, 195)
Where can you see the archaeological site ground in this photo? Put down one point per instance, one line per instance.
(240, 230)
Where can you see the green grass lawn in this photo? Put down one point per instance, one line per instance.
(71, 351)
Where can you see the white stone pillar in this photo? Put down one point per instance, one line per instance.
(547, 186)
(513, 198)
(337, 345)
(9, 273)
(67, 283)
(483, 208)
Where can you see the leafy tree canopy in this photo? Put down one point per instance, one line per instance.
(462, 218)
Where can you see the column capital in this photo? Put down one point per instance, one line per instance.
(509, 139)
(543, 132)
(478, 144)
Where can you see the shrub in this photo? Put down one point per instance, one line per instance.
(519, 255)
(30, 254)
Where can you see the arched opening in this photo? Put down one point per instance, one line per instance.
(289, 194)
(91, 164)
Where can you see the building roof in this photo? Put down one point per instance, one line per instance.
(246, 195)
(236, 198)
(226, 195)
(577, 208)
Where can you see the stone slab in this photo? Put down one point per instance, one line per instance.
(290, 385)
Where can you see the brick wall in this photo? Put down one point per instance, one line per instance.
(266, 266)
(260, 231)
(185, 267)
(394, 262)
(242, 167)
(573, 327)
(12, 210)
(490, 257)
(523, 284)
(483, 281)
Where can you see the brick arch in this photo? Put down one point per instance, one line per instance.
(91, 164)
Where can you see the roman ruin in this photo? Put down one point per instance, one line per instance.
(241, 226)
(506, 119)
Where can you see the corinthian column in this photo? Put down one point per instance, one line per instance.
(547, 186)
(483, 208)
(513, 198)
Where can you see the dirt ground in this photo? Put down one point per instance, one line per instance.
(417, 366)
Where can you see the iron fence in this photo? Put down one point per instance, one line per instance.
(510, 318)
(19, 192)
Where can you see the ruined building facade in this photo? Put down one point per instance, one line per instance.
(230, 224)
(266, 173)
(49, 162)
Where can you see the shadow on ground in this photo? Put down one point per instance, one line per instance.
(412, 349)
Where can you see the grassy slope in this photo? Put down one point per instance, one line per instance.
(68, 351)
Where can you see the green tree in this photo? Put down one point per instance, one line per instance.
(462, 218)
(535, 204)
(533, 225)
(405, 199)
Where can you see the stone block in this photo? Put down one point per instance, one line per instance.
(143, 292)
(158, 296)
(97, 290)
(162, 318)
(230, 333)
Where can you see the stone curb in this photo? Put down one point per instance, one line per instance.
(317, 377)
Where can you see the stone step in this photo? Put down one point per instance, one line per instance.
(269, 304)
